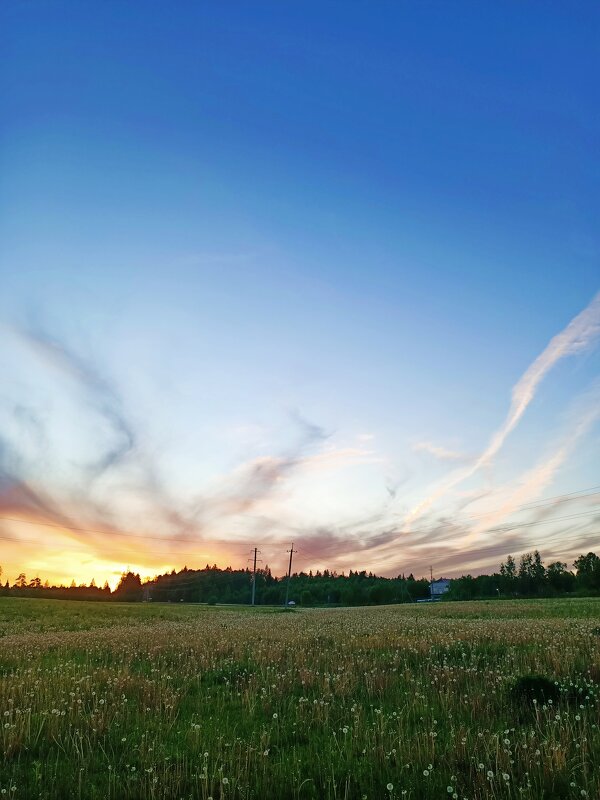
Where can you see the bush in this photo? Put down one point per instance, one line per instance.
(212, 600)
(528, 688)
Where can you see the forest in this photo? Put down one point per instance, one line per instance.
(530, 577)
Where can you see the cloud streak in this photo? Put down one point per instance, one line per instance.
(537, 479)
(102, 394)
(439, 452)
(579, 335)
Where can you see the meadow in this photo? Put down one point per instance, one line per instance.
(123, 701)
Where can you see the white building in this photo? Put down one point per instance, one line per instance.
(439, 587)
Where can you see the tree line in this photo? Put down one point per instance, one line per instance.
(529, 578)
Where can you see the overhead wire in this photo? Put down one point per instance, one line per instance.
(304, 555)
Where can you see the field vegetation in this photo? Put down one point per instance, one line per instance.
(495, 699)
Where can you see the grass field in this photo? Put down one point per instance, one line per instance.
(118, 701)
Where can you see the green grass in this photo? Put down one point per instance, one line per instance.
(107, 700)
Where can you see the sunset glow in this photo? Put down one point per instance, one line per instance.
(259, 290)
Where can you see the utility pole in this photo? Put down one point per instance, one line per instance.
(289, 575)
(256, 551)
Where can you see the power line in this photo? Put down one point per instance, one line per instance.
(580, 494)
(307, 557)
(517, 525)
(587, 492)
(503, 528)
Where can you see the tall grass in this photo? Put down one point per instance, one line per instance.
(131, 701)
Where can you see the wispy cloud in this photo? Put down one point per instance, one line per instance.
(338, 458)
(531, 485)
(101, 393)
(579, 335)
(90, 514)
(255, 498)
(439, 452)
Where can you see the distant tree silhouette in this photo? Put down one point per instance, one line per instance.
(588, 571)
(129, 588)
(21, 581)
(321, 588)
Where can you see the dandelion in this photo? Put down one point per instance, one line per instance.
(390, 787)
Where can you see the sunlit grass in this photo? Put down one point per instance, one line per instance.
(174, 701)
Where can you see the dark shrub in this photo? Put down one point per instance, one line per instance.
(528, 688)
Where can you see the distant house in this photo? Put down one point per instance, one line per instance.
(439, 587)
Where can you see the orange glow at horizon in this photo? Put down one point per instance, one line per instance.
(61, 555)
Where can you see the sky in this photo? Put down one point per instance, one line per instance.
(322, 273)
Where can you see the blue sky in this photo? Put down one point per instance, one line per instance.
(272, 272)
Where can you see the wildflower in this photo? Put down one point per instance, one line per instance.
(390, 786)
